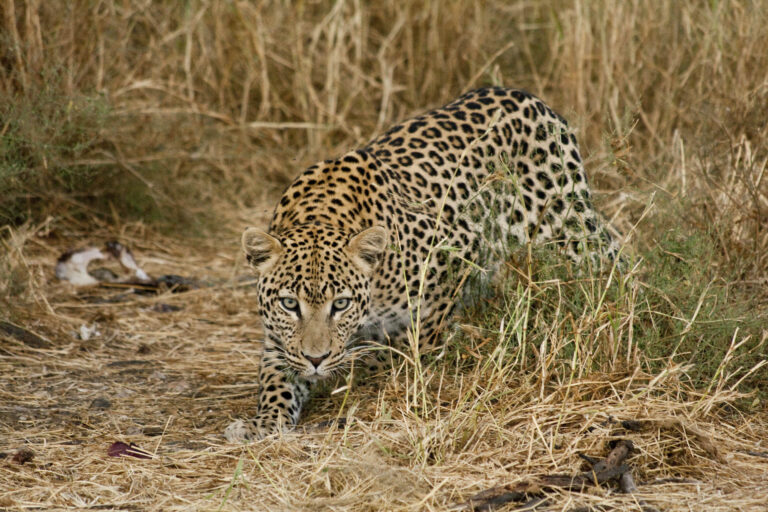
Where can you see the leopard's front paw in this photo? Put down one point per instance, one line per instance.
(258, 428)
(237, 432)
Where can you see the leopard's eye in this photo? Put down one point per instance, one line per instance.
(289, 304)
(340, 305)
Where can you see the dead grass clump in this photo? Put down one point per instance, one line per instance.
(213, 105)
(170, 382)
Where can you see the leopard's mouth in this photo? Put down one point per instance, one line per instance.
(308, 371)
(315, 377)
(315, 374)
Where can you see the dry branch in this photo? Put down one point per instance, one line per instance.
(605, 470)
(23, 335)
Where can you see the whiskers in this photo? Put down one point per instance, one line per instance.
(354, 351)
(291, 365)
(337, 365)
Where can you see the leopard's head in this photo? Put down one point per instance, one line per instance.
(314, 290)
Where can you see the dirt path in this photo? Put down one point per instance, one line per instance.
(169, 372)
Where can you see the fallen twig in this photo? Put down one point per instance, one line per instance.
(603, 471)
(671, 480)
(28, 338)
(704, 440)
(627, 486)
(754, 453)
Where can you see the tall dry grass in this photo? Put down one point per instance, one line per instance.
(192, 116)
(208, 100)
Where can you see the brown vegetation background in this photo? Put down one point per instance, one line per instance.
(202, 106)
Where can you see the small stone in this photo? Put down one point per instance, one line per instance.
(23, 455)
(153, 431)
(100, 403)
(161, 307)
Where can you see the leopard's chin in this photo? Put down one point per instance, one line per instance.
(314, 376)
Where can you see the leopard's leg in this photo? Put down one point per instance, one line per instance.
(548, 200)
(569, 214)
(420, 312)
(578, 229)
(384, 346)
(372, 345)
(280, 400)
(435, 308)
(382, 358)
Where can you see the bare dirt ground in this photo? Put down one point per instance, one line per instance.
(168, 372)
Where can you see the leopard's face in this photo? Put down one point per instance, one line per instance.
(314, 293)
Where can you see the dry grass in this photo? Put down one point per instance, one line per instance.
(123, 119)
(174, 381)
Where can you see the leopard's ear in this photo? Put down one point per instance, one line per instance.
(261, 249)
(367, 248)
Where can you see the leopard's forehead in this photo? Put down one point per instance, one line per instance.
(314, 264)
(314, 236)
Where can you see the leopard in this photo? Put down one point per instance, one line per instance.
(363, 247)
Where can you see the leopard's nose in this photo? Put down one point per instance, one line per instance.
(316, 360)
